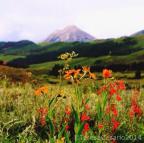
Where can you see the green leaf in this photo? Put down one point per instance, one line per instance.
(67, 137)
(99, 111)
(51, 101)
(51, 127)
(77, 120)
(61, 132)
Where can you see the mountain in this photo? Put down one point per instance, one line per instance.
(138, 33)
(69, 34)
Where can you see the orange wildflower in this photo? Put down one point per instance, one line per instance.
(41, 90)
(76, 73)
(92, 75)
(86, 69)
(107, 73)
(72, 74)
(37, 92)
(68, 74)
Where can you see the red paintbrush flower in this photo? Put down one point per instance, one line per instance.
(86, 128)
(67, 110)
(43, 112)
(100, 126)
(84, 117)
(121, 85)
(87, 107)
(118, 98)
(115, 124)
(67, 127)
(114, 110)
(112, 91)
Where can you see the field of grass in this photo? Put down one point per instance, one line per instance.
(78, 109)
(8, 58)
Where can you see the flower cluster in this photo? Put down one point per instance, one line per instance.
(43, 112)
(67, 117)
(110, 106)
(135, 109)
(75, 75)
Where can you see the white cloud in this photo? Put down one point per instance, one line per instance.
(35, 19)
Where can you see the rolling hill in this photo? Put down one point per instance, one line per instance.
(125, 53)
(121, 51)
(17, 48)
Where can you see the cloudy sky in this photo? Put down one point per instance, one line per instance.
(36, 19)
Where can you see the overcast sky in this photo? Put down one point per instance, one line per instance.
(36, 19)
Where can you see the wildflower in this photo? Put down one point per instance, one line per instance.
(37, 92)
(92, 75)
(76, 73)
(86, 128)
(87, 107)
(112, 91)
(42, 120)
(67, 110)
(102, 89)
(135, 109)
(121, 85)
(118, 98)
(107, 73)
(131, 113)
(108, 109)
(86, 69)
(41, 90)
(100, 126)
(67, 127)
(72, 74)
(114, 110)
(84, 117)
(43, 112)
(115, 124)
(68, 74)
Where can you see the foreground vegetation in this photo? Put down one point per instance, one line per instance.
(83, 111)
(78, 109)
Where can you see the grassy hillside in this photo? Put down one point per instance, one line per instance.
(121, 51)
(17, 48)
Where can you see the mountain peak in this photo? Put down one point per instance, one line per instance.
(69, 34)
(71, 27)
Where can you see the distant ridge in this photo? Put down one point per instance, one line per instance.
(138, 33)
(69, 34)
